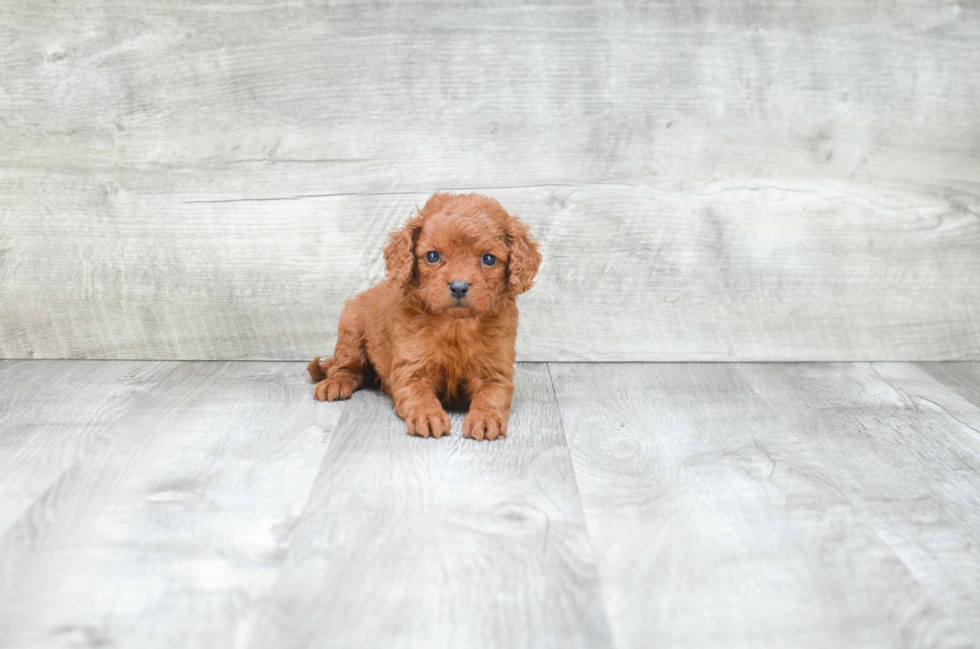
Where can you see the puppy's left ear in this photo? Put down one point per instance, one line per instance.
(525, 257)
(400, 251)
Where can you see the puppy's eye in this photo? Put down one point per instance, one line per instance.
(432, 256)
(489, 260)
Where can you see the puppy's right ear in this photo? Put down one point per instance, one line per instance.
(400, 251)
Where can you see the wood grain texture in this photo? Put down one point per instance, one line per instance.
(953, 390)
(909, 466)
(740, 181)
(962, 378)
(772, 505)
(722, 271)
(441, 543)
(169, 534)
(684, 505)
(55, 414)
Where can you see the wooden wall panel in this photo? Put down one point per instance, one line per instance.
(711, 181)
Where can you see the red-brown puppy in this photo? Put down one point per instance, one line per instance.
(442, 326)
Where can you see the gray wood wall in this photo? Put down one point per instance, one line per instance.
(753, 180)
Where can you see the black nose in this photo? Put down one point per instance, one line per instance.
(459, 288)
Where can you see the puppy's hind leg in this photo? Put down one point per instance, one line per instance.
(346, 371)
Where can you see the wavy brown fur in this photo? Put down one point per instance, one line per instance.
(426, 346)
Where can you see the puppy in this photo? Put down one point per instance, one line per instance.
(441, 328)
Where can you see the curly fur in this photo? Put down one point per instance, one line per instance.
(425, 346)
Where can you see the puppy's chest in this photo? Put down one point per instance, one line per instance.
(457, 347)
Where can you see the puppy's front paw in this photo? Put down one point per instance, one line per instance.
(432, 422)
(335, 388)
(485, 424)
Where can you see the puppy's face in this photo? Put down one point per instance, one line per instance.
(461, 260)
(462, 254)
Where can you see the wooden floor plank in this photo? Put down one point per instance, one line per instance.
(441, 543)
(962, 378)
(941, 390)
(53, 413)
(720, 521)
(937, 535)
(168, 535)
(691, 505)
(910, 467)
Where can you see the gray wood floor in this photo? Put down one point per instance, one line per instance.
(216, 504)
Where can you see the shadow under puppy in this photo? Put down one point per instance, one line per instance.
(441, 328)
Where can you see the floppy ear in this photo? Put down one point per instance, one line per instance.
(400, 251)
(525, 257)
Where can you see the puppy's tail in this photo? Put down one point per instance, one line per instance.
(318, 369)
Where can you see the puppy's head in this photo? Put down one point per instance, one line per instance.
(462, 254)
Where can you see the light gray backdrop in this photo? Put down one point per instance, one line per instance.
(753, 180)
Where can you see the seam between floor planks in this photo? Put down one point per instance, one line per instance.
(195, 480)
(588, 526)
(944, 434)
(938, 608)
(448, 542)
